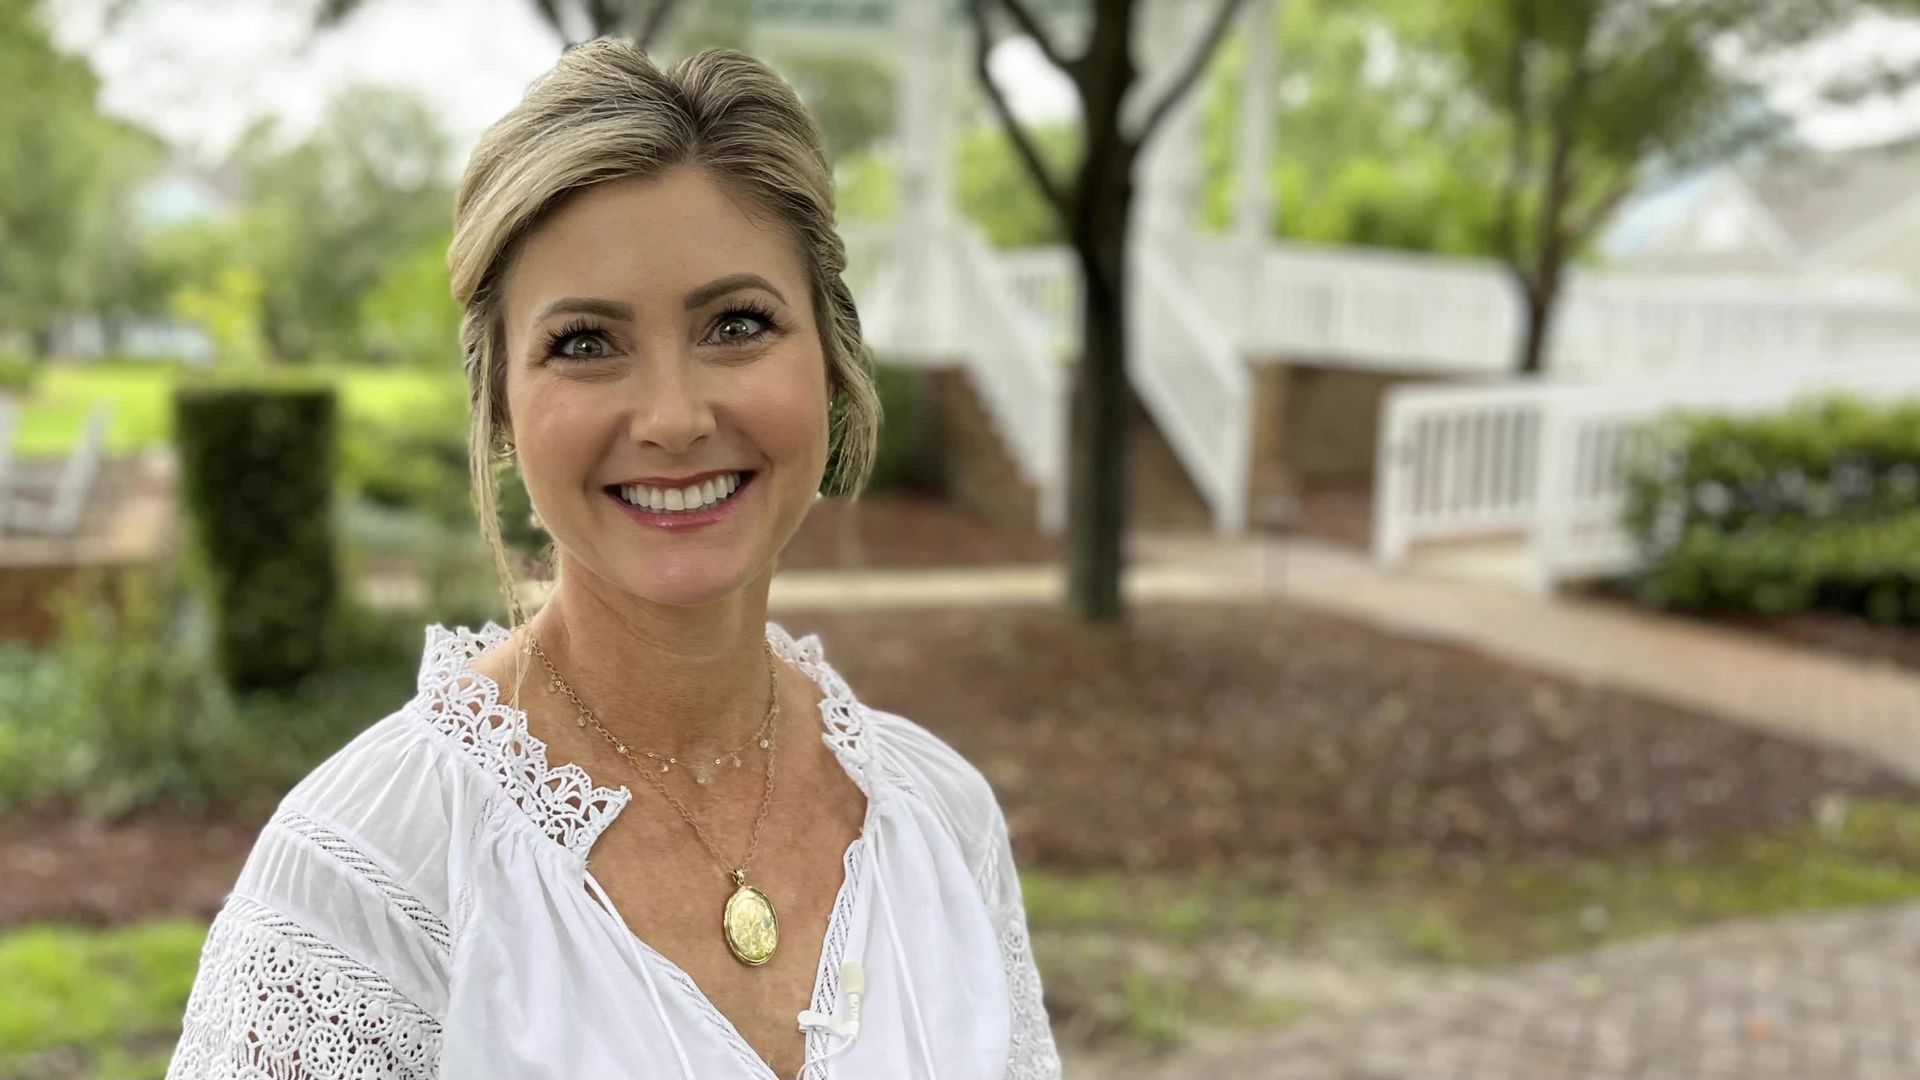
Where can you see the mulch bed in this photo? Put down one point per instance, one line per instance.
(61, 866)
(1261, 738)
(1214, 734)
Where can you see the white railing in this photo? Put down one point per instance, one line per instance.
(1428, 313)
(1544, 462)
(1046, 282)
(1195, 383)
(1021, 383)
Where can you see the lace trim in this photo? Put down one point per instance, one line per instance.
(465, 706)
(1032, 1053)
(347, 852)
(274, 1000)
(563, 801)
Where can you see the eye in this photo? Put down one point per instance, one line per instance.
(743, 324)
(577, 341)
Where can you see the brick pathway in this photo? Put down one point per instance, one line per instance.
(1832, 995)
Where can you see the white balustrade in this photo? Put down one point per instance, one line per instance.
(1546, 461)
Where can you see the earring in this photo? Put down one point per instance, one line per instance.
(533, 520)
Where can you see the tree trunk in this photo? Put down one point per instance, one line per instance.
(1542, 301)
(1097, 477)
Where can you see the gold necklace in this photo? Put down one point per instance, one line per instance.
(748, 922)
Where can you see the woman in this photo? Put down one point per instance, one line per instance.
(657, 330)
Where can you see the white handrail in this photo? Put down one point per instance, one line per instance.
(1020, 381)
(1194, 382)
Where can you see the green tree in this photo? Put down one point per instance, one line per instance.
(67, 174)
(1592, 98)
(1374, 145)
(327, 219)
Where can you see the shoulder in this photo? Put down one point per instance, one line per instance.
(928, 768)
(360, 852)
(901, 753)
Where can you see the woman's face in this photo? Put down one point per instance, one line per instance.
(658, 331)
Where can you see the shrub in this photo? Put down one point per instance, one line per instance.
(257, 465)
(122, 709)
(908, 452)
(1813, 506)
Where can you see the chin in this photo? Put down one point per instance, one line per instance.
(698, 584)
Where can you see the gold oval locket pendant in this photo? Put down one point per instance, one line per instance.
(751, 928)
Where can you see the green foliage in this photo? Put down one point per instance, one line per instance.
(1814, 506)
(853, 96)
(227, 307)
(257, 467)
(67, 173)
(907, 456)
(997, 194)
(408, 316)
(1372, 145)
(326, 256)
(96, 993)
(121, 710)
(17, 373)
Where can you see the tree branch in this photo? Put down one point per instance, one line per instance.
(1520, 161)
(1036, 165)
(1196, 63)
(1030, 26)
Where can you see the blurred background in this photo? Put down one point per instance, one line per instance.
(1469, 630)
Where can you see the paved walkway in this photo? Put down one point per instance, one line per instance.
(1830, 996)
(1868, 707)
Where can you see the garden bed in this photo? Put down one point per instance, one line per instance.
(1266, 740)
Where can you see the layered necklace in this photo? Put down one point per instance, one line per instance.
(748, 921)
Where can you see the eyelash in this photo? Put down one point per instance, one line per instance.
(752, 309)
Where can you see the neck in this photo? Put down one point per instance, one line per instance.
(673, 680)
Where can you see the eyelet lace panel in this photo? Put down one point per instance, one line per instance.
(840, 712)
(274, 1001)
(465, 706)
(346, 852)
(1032, 1054)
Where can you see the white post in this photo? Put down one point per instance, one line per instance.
(921, 127)
(1254, 205)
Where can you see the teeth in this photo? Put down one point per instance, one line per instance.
(692, 497)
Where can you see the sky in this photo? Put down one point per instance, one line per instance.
(197, 71)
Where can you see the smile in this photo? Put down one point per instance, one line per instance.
(682, 508)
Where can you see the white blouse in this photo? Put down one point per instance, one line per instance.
(419, 906)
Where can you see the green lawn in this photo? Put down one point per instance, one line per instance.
(53, 413)
(94, 1003)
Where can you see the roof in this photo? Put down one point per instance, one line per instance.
(1821, 200)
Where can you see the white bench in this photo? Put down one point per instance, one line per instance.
(57, 511)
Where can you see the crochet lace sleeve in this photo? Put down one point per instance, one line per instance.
(274, 1001)
(1033, 1055)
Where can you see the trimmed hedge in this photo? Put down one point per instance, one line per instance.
(1817, 506)
(257, 462)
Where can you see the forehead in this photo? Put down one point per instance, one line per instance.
(650, 239)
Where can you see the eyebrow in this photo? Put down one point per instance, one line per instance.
(614, 309)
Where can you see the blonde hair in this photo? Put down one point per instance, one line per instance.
(604, 112)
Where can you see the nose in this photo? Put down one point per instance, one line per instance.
(672, 409)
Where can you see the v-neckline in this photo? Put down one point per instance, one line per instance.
(574, 814)
(832, 949)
